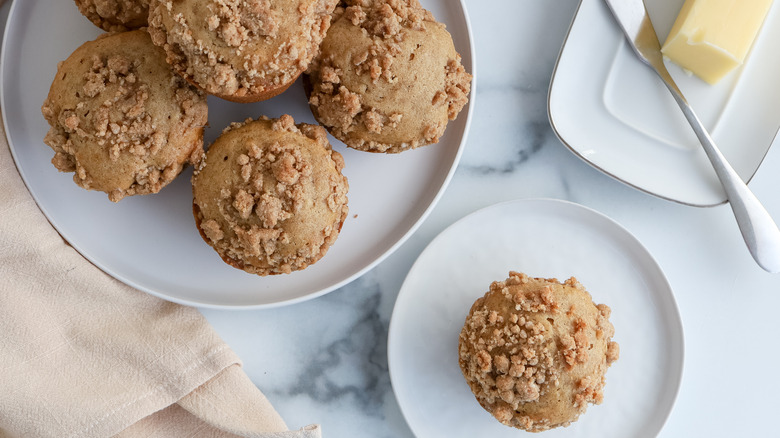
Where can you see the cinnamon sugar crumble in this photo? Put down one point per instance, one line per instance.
(255, 229)
(521, 353)
(115, 15)
(212, 230)
(386, 25)
(112, 111)
(457, 86)
(238, 22)
(250, 47)
(338, 110)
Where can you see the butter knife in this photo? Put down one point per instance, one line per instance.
(756, 225)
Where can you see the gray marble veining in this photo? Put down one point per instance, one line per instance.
(325, 360)
(334, 358)
(354, 365)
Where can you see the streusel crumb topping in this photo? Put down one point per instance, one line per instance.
(113, 108)
(534, 351)
(260, 221)
(240, 48)
(398, 62)
(115, 15)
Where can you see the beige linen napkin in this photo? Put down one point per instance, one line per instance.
(83, 355)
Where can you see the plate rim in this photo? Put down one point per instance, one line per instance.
(575, 151)
(10, 24)
(672, 301)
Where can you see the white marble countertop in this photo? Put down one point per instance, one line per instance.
(325, 360)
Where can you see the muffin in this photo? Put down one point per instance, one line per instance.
(534, 351)
(244, 51)
(120, 119)
(115, 15)
(270, 197)
(388, 77)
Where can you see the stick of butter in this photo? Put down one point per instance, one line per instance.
(710, 38)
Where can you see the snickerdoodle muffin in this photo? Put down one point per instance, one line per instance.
(243, 51)
(534, 351)
(270, 197)
(120, 119)
(115, 15)
(388, 77)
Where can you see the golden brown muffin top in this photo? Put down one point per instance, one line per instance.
(534, 351)
(270, 196)
(388, 77)
(115, 15)
(240, 49)
(120, 119)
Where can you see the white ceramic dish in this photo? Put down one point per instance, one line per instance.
(543, 238)
(612, 111)
(150, 242)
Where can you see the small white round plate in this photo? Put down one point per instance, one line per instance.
(150, 242)
(542, 238)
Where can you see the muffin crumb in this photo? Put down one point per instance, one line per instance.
(115, 15)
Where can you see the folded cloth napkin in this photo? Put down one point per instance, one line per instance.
(83, 355)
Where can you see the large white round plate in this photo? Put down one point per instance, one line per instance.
(542, 238)
(150, 242)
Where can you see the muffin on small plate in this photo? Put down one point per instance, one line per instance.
(535, 351)
(388, 77)
(242, 51)
(115, 15)
(270, 197)
(120, 119)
